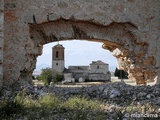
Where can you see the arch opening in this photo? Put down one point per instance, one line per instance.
(77, 52)
(118, 38)
(79, 56)
(57, 54)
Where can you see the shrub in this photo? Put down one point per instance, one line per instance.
(46, 76)
(121, 74)
(58, 77)
(50, 101)
(10, 108)
(25, 107)
(13, 105)
(33, 78)
(80, 108)
(78, 102)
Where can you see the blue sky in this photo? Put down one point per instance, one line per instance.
(78, 52)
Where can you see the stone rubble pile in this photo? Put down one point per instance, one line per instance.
(118, 98)
(120, 93)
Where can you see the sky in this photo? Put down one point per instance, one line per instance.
(77, 52)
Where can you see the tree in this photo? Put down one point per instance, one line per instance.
(33, 78)
(58, 77)
(121, 74)
(116, 73)
(46, 76)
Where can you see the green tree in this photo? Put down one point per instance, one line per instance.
(58, 77)
(46, 76)
(116, 73)
(33, 78)
(121, 74)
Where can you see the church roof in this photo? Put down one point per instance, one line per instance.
(99, 62)
(78, 67)
(66, 71)
(58, 45)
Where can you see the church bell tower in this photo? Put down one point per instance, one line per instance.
(58, 59)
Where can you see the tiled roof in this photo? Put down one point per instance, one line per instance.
(78, 67)
(58, 45)
(99, 62)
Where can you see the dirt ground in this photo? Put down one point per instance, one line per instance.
(113, 79)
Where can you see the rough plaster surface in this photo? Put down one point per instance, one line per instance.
(130, 29)
(1, 41)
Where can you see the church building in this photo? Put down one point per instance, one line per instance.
(96, 71)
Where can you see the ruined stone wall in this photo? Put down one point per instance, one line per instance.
(131, 26)
(1, 41)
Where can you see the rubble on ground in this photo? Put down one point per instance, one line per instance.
(116, 95)
(118, 91)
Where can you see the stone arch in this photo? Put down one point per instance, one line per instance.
(128, 29)
(118, 38)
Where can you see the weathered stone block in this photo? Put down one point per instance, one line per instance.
(52, 17)
(1, 41)
(1, 76)
(28, 19)
(1, 56)
(10, 6)
(1, 82)
(1, 69)
(1, 21)
(1, 4)
(40, 18)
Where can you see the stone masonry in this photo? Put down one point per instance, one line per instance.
(130, 29)
(1, 42)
